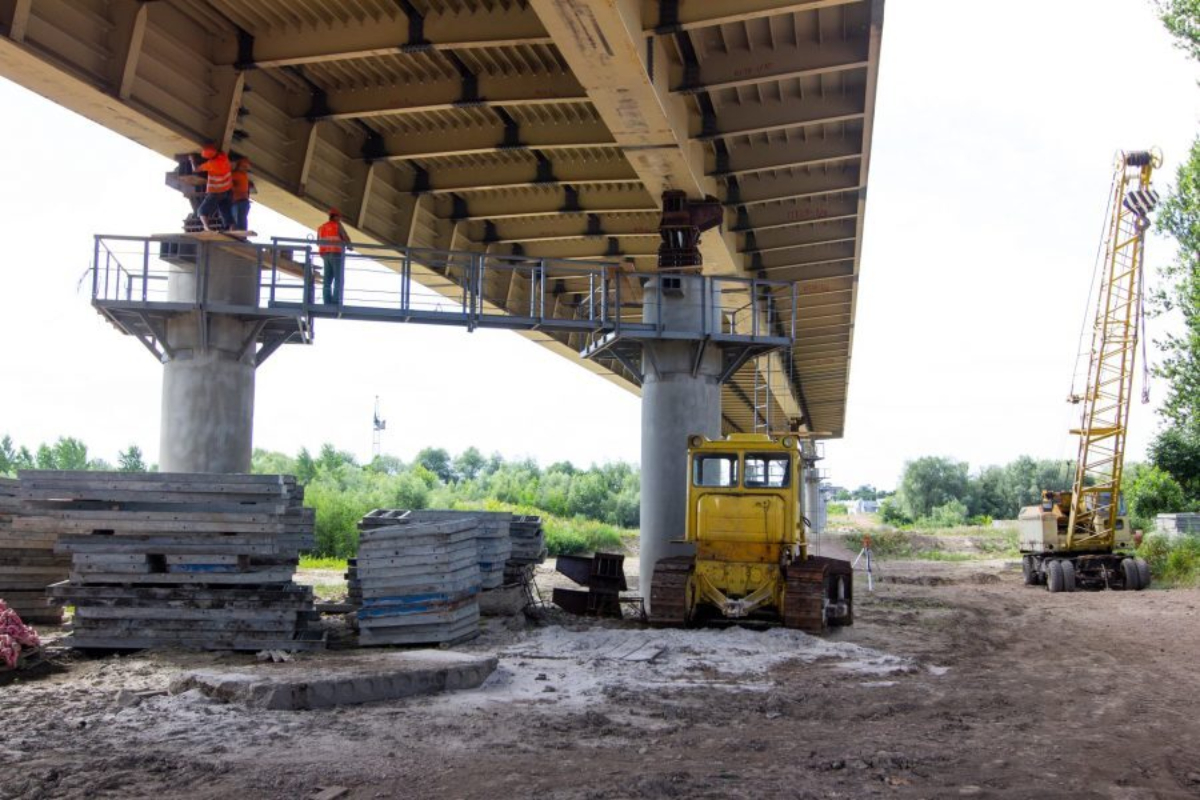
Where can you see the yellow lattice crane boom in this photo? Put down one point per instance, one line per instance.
(1075, 538)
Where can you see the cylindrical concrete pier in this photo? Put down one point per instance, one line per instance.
(208, 377)
(675, 405)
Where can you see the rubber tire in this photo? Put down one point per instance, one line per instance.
(1133, 580)
(1054, 576)
(1143, 573)
(1030, 571)
(1068, 570)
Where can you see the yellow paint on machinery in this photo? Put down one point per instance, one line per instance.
(746, 520)
(744, 510)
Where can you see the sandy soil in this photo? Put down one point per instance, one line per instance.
(955, 681)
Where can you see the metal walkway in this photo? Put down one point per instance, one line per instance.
(601, 307)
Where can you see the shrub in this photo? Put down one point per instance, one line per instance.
(1172, 562)
(884, 543)
(836, 510)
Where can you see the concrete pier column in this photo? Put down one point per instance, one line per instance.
(208, 374)
(680, 397)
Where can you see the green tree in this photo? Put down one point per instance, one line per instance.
(469, 464)
(437, 461)
(930, 482)
(1176, 450)
(1182, 18)
(865, 492)
(130, 460)
(11, 458)
(1150, 491)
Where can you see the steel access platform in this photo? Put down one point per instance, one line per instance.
(605, 308)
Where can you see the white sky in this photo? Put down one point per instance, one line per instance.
(994, 136)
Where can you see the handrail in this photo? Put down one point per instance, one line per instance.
(482, 289)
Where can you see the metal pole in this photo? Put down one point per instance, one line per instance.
(145, 267)
(95, 265)
(619, 314)
(542, 290)
(274, 269)
(795, 300)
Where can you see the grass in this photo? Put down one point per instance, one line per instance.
(1173, 563)
(322, 562)
(890, 543)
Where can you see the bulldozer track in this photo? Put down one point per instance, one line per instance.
(812, 588)
(668, 590)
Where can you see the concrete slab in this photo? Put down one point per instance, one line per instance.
(340, 680)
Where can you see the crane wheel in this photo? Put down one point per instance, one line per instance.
(1029, 570)
(669, 591)
(1054, 577)
(1133, 579)
(1143, 573)
(1068, 571)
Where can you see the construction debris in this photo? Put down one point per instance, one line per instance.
(603, 574)
(201, 561)
(420, 581)
(18, 641)
(27, 561)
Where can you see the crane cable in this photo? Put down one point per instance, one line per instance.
(1096, 273)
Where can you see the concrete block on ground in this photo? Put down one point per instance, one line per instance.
(340, 680)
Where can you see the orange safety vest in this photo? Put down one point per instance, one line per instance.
(329, 233)
(220, 174)
(241, 185)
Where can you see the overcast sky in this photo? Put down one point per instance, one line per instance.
(995, 131)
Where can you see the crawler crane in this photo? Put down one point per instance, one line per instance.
(1081, 538)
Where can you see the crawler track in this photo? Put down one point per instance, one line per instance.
(819, 594)
(668, 591)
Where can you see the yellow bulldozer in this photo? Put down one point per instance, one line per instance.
(746, 521)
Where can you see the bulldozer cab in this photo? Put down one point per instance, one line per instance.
(744, 495)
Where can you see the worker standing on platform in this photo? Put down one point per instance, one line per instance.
(333, 240)
(218, 188)
(242, 187)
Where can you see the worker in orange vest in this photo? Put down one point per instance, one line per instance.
(331, 237)
(242, 187)
(217, 189)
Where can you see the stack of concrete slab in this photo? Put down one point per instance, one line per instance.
(420, 582)
(492, 540)
(28, 563)
(528, 548)
(1175, 526)
(191, 560)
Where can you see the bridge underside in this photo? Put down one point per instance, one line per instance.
(545, 128)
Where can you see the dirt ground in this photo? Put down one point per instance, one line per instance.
(956, 680)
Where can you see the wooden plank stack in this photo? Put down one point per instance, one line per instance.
(419, 581)
(200, 561)
(28, 563)
(528, 548)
